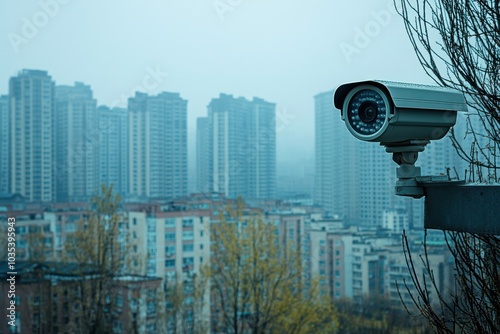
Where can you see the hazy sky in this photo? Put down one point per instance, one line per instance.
(282, 51)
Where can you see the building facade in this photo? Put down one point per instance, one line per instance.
(113, 148)
(76, 143)
(31, 95)
(4, 144)
(202, 155)
(50, 298)
(242, 147)
(176, 245)
(157, 145)
(337, 162)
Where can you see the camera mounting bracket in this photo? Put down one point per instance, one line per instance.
(410, 181)
(405, 154)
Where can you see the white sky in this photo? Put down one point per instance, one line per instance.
(282, 51)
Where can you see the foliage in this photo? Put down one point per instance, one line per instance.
(376, 315)
(257, 286)
(98, 251)
(38, 249)
(186, 301)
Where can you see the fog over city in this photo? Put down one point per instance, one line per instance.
(237, 166)
(285, 52)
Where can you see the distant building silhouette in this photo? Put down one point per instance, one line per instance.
(113, 148)
(76, 143)
(4, 144)
(377, 174)
(338, 165)
(31, 95)
(202, 155)
(157, 145)
(242, 147)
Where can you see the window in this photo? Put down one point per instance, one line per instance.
(188, 261)
(187, 222)
(151, 308)
(188, 248)
(170, 263)
(187, 235)
(170, 249)
(170, 236)
(170, 222)
(70, 227)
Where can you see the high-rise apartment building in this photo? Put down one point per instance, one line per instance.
(377, 175)
(157, 145)
(242, 147)
(31, 95)
(338, 164)
(202, 155)
(175, 245)
(76, 143)
(4, 144)
(113, 148)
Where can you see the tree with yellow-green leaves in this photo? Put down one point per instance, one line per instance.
(98, 253)
(257, 286)
(186, 302)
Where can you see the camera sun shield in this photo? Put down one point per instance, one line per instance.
(391, 112)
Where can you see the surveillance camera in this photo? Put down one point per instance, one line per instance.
(391, 112)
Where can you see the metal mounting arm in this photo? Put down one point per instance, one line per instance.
(405, 154)
(449, 204)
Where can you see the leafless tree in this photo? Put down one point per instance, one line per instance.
(457, 42)
(458, 46)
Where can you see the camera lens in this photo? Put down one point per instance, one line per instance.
(368, 112)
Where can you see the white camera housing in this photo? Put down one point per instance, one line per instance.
(392, 112)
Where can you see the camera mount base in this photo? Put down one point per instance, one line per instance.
(405, 154)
